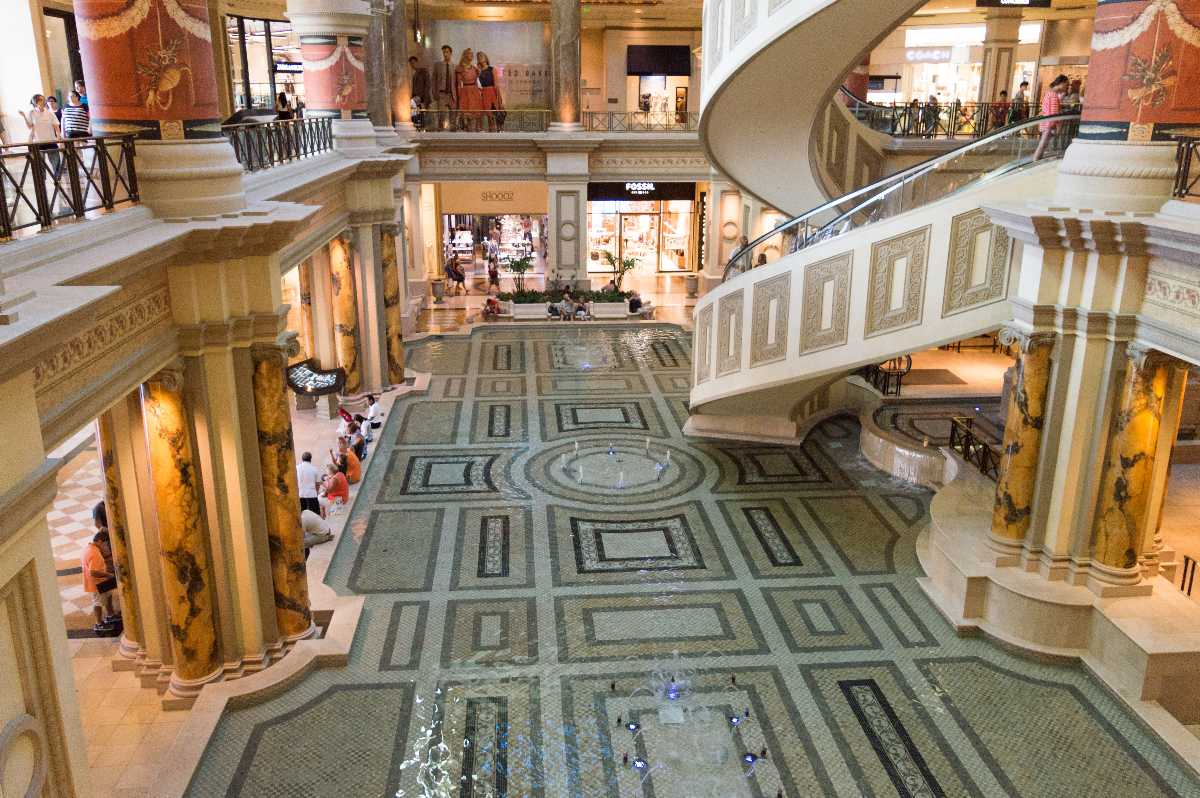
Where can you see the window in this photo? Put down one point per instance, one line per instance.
(264, 60)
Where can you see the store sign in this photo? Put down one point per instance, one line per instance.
(641, 190)
(1012, 3)
(493, 197)
(289, 67)
(309, 379)
(929, 55)
(497, 196)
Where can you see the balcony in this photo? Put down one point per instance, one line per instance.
(537, 120)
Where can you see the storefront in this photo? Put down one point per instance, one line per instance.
(655, 224)
(505, 218)
(264, 61)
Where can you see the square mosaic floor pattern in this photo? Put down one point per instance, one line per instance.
(567, 597)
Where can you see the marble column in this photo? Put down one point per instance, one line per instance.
(391, 303)
(118, 534)
(1126, 482)
(859, 79)
(345, 312)
(400, 76)
(378, 73)
(1025, 417)
(277, 461)
(564, 63)
(1143, 53)
(332, 47)
(1001, 36)
(149, 71)
(304, 275)
(187, 570)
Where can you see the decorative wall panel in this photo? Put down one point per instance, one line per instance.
(963, 290)
(730, 310)
(745, 17)
(883, 313)
(815, 334)
(704, 323)
(769, 320)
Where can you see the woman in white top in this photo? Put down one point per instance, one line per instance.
(43, 127)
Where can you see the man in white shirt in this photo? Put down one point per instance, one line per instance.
(307, 480)
(316, 530)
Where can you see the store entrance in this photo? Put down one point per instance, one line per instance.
(654, 225)
(639, 240)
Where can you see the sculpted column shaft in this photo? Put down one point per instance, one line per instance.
(1001, 37)
(400, 78)
(345, 312)
(187, 570)
(391, 303)
(378, 72)
(118, 534)
(1125, 485)
(564, 62)
(277, 458)
(307, 342)
(1024, 419)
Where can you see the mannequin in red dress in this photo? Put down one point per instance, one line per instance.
(489, 93)
(469, 100)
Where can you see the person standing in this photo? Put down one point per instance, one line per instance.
(445, 89)
(1073, 101)
(283, 107)
(466, 82)
(76, 123)
(308, 480)
(1020, 103)
(1001, 110)
(99, 575)
(81, 90)
(43, 130)
(489, 94)
(52, 104)
(1051, 106)
(422, 90)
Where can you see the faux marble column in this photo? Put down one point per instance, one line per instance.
(118, 535)
(187, 570)
(281, 498)
(1000, 40)
(564, 63)
(858, 82)
(345, 312)
(399, 75)
(1119, 529)
(304, 275)
(1144, 53)
(391, 304)
(379, 107)
(1025, 416)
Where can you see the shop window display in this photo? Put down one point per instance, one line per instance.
(264, 60)
(656, 234)
(475, 238)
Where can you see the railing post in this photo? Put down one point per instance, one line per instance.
(38, 172)
(5, 220)
(106, 189)
(72, 163)
(129, 149)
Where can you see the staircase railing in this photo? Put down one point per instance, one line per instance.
(53, 181)
(985, 158)
(973, 448)
(888, 378)
(925, 120)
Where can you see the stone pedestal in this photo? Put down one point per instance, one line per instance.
(186, 567)
(277, 460)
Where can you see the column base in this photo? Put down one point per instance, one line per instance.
(354, 138)
(1115, 176)
(1109, 582)
(185, 179)
(186, 690)
(311, 631)
(564, 127)
(1007, 552)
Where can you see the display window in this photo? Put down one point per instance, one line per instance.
(264, 60)
(477, 239)
(656, 234)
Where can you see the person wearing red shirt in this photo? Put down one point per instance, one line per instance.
(335, 488)
(1051, 106)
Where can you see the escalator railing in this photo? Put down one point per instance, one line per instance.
(1002, 152)
(933, 120)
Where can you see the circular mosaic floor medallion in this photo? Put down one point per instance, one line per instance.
(623, 468)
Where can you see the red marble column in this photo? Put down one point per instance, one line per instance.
(335, 78)
(1143, 80)
(857, 82)
(149, 70)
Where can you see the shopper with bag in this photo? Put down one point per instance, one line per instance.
(489, 92)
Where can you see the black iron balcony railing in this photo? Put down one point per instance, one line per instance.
(888, 378)
(1187, 177)
(261, 145)
(639, 122)
(975, 449)
(927, 120)
(49, 182)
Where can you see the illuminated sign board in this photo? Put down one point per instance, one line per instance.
(308, 378)
(641, 190)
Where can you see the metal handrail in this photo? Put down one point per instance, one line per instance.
(1187, 174)
(888, 377)
(51, 181)
(974, 449)
(639, 122)
(805, 230)
(261, 145)
(926, 120)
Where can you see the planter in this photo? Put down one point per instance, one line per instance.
(527, 311)
(439, 290)
(609, 310)
(691, 282)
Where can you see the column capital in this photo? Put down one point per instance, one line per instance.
(1143, 356)
(170, 378)
(1026, 340)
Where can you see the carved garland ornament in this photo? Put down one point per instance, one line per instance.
(110, 331)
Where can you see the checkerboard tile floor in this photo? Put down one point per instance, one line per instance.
(80, 487)
(559, 622)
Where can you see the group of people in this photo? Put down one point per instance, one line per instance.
(48, 122)
(100, 576)
(465, 96)
(324, 492)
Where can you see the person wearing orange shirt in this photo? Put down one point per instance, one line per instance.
(346, 461)
(99, 581)
(335, 489)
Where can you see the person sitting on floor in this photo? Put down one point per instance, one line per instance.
(566, 307)
(491, 306)
(372, 421)
(643, 309)
(316, 530)
(611, 287)
(357, 441)
(346, 461)
(335, 490)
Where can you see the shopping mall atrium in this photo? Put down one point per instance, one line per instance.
(558, 399)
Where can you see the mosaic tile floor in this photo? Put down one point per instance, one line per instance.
(566, 597)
